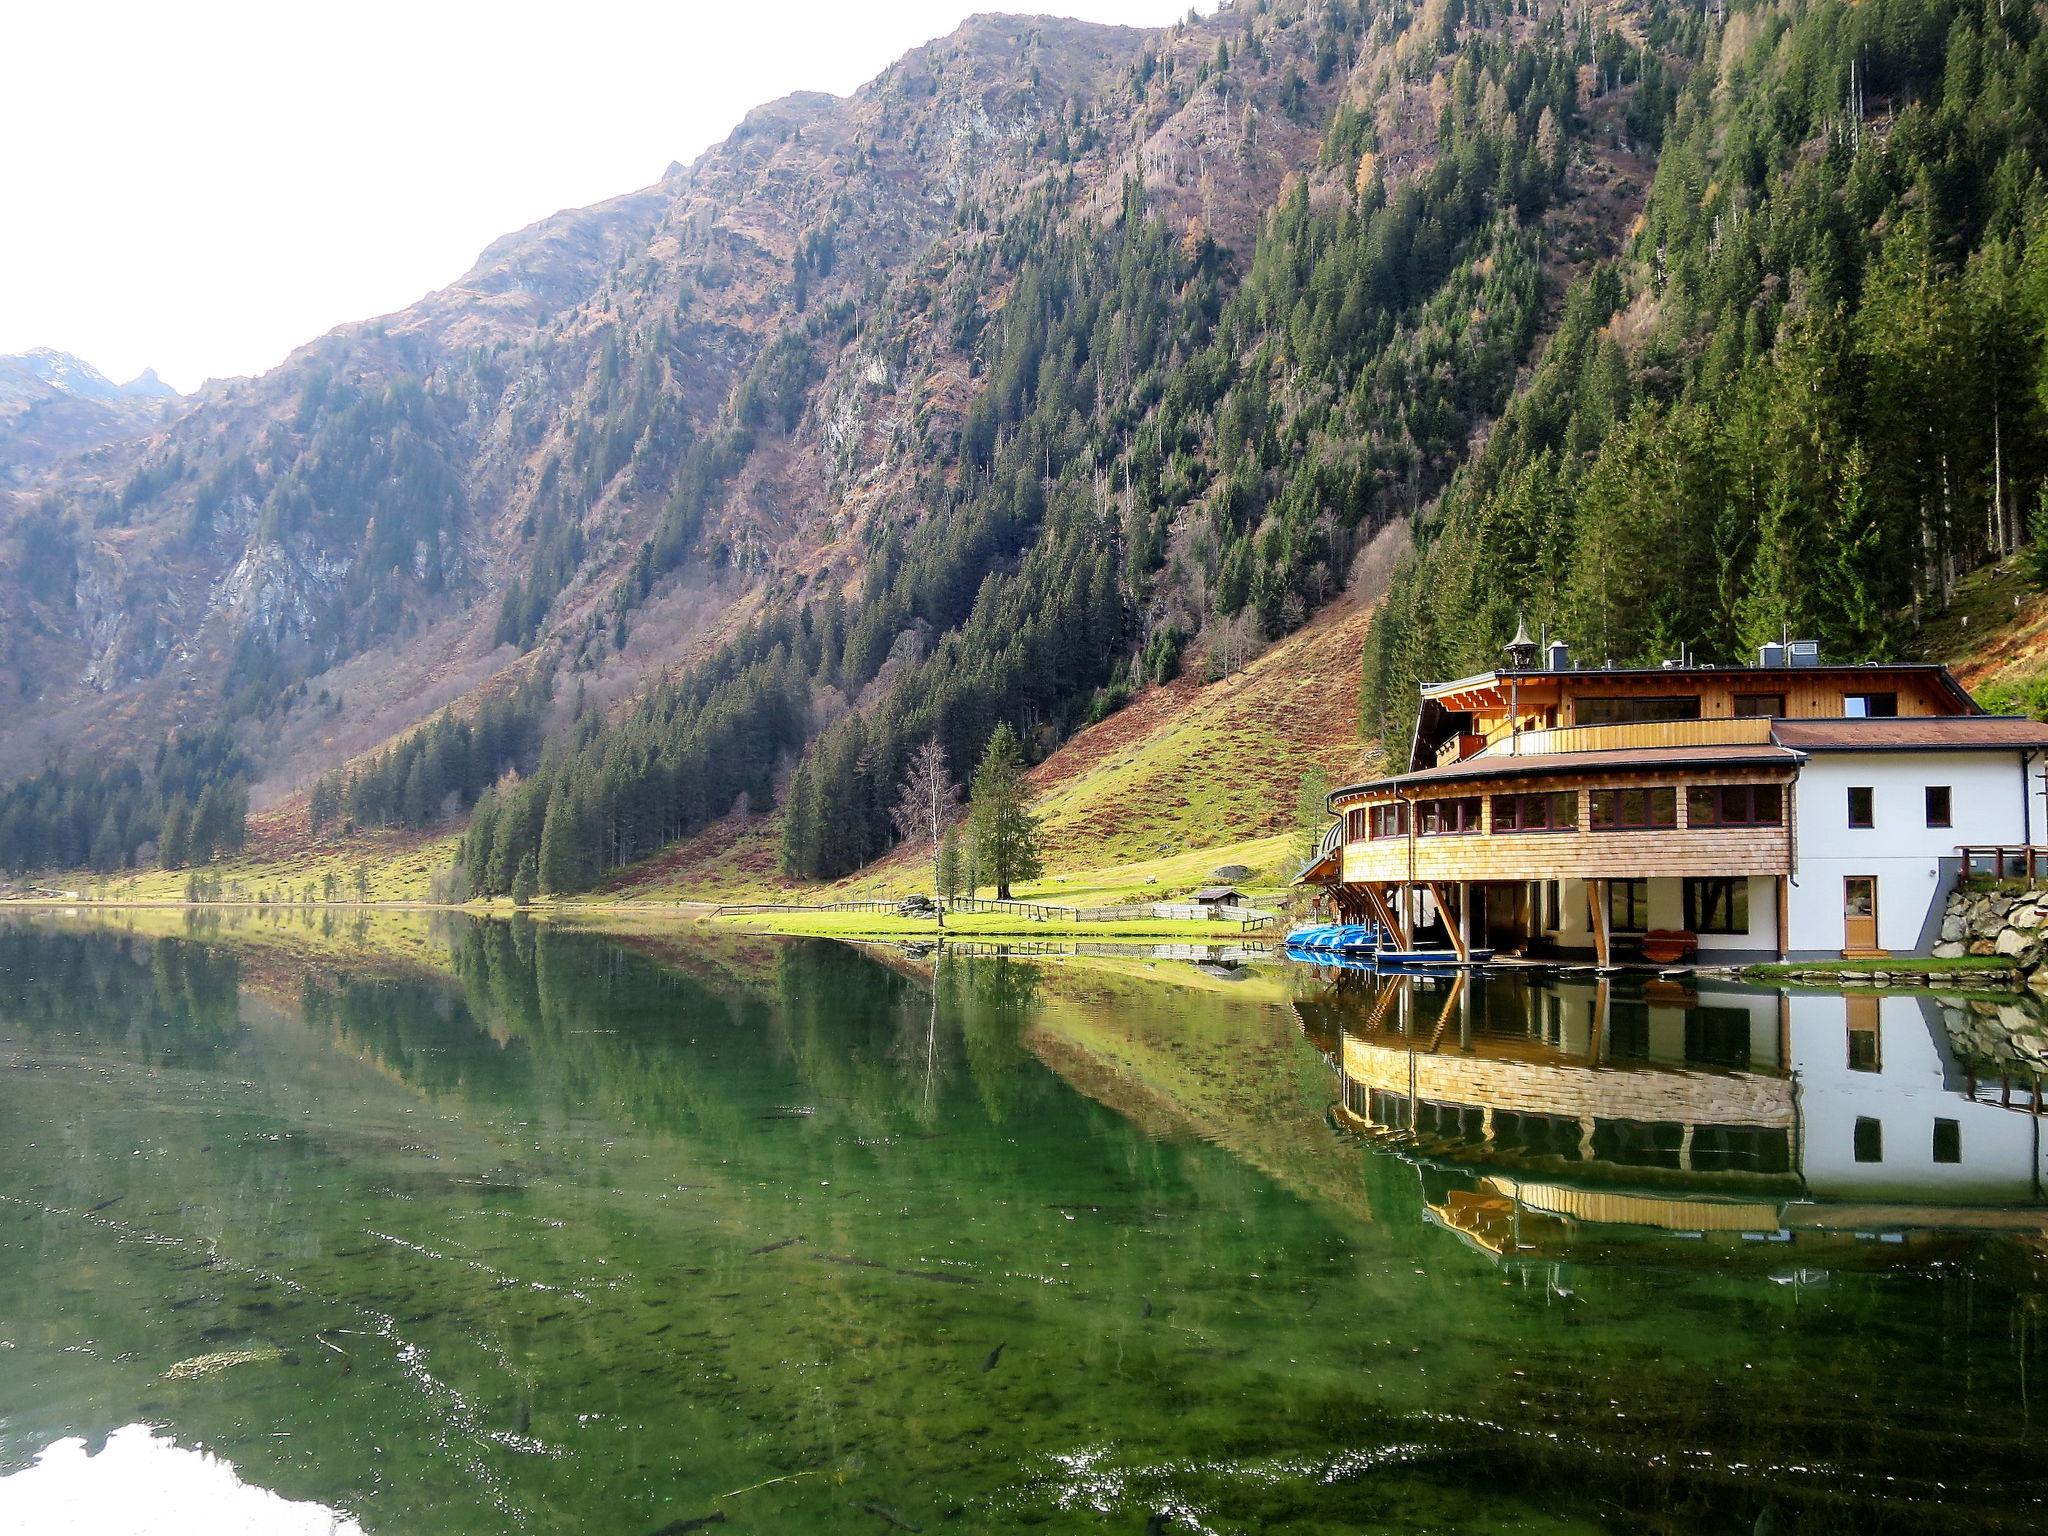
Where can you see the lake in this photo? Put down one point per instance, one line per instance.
(501, 1227)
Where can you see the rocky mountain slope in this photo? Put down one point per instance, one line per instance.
(1233, 294)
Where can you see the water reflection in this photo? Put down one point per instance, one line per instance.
(519, 1229)
(137, 1483)
(1558, 1117)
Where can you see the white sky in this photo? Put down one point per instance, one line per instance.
(201, 187)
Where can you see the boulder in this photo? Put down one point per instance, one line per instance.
(1953, 927)
(2010, 941)
(1949, 949)
(1982, 947)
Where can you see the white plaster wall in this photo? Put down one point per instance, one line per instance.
(1899, 848)
(2002, 1149)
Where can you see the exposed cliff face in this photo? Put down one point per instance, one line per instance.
(717, 390)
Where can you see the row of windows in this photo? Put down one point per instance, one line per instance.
(1626, 710)
(1711, 905)
(1868, 1140)
(1939, 805)
(1650, 809)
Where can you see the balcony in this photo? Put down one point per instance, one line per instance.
(1500, 741)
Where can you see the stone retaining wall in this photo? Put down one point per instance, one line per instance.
(2009, 923)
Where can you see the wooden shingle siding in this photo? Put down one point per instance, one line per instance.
(1584, 854)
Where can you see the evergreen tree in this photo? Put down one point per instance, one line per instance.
(1004, 831)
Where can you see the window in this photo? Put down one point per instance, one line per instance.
(1354, 825)
(1735, 805)
(1870, 706)
(1444, 818)
(1557, 812)
(1860, 813)
(1601, 710)
(1624, 810)
(1938, 806)
(1751, 706)
(1553, 916)
(1628, 906)
(1869, 1142)
(1717, 906)
(1948, 1141)
(1390, 820)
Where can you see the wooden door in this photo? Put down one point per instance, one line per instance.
(1859, 913)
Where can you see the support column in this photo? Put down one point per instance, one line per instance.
(1596, 912)
(1460, 929)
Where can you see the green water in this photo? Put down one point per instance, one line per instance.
(568, 1233)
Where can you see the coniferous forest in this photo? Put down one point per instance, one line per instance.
(1799, 387)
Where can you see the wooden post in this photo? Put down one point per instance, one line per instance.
(1596, 910)
(1456, 930)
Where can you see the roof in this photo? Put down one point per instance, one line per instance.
(1940, 733)
(1215, 893)
(1501, 676)
(1537, 764)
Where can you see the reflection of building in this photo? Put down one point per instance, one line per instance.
(1786, 808)
(1551, 1117)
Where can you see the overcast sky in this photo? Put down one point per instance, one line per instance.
(200, 187)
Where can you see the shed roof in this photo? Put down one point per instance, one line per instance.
(1215, 893)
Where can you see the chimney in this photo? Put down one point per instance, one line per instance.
(1559, 657)
(1772, 655)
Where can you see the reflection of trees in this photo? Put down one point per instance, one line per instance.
(419, 1030)
(992, 998)
(166, 1000)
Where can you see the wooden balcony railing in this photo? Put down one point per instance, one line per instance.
(1744, 732)
(2005, 861)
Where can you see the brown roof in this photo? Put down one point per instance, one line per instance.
(1489, 765)
(1942, 733)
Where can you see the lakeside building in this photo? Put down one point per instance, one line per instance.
(1786, 810)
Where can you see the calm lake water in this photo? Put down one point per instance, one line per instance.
(530, 1230)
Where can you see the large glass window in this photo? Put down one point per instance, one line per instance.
(1624, 810)
(1390, 820)
(1735, 805)
(1628, 906)
(1554, 812)
(1870, 706)
(1717, 906)
(1626, 710)
(1750, 706)
(1442, 818)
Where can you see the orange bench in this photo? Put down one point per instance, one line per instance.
(1666, 946)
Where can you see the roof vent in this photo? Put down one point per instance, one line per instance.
(1772, 655)
(1559, 657)
(1804, 653)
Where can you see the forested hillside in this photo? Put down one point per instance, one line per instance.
(1061, 361)
(1160, 448)
(1811, 393)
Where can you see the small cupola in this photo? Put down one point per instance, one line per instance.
(1521, 650)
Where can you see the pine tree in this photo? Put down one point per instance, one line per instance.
(1005, 832)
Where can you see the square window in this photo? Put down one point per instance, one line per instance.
(1869, 1139)
(1870, 706)
(1860, 813)
(1948, 1141)
(1938, 805)
(1750, 706)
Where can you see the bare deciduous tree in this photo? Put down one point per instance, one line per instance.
(927, 802)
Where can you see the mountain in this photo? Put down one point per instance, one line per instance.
(53, 405)
(1056, 363)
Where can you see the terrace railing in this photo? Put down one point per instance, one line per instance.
(2004, 861)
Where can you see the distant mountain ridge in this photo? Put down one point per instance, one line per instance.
(54, 405)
